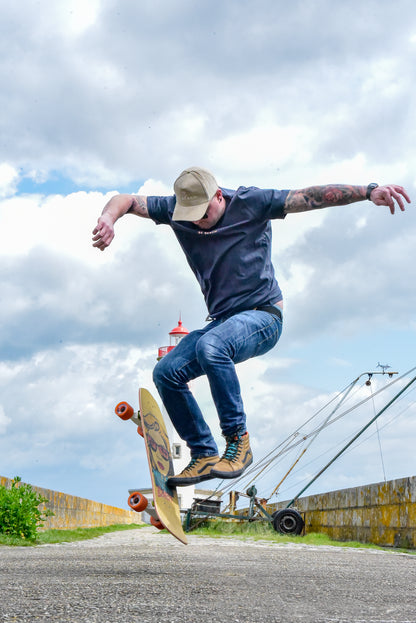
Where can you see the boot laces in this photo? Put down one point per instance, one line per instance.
(190, 465)
(232, 449)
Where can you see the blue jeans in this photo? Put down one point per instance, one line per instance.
(213, 351)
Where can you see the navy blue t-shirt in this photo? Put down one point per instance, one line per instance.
(232, 260)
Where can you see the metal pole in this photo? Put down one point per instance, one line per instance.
(352, 441)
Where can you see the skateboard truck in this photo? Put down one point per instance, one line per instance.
(126, 412)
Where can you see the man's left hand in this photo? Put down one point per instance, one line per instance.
(388, 195)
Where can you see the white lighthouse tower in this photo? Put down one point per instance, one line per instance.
(180, 452)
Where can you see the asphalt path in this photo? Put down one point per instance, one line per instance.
(147, 576)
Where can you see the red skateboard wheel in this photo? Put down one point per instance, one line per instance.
(137, 501)
(124, 410)
(156, 523)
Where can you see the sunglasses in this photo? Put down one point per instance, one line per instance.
(154, 446)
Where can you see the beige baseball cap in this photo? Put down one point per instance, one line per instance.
(194, 189)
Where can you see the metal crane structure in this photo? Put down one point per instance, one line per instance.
(289, 520)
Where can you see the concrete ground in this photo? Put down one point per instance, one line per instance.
(147, 576)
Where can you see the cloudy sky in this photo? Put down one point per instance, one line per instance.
(106, 96)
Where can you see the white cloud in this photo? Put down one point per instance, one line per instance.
(159, 101)
(260, 151)
(4, 421)
(8, 179)
(78, 15)
(62, 224)
(155, 187)
(68, 405)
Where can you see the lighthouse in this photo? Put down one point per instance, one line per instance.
(180, 452)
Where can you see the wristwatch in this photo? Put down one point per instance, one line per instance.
(370, 188)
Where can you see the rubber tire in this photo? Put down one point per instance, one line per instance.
(288, 521)
(137, 502)
(156, 523)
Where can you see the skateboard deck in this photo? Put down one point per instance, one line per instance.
(152, 427)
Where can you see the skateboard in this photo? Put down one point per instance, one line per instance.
(150, 425)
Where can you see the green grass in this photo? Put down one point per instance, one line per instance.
(66, 536)
(263, 531)
(254, 531)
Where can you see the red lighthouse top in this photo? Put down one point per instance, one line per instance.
(179, 331)
(175, 337)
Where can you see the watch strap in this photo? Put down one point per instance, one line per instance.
(370, 189)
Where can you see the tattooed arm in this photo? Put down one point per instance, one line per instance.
(118, 206)
(316, 197)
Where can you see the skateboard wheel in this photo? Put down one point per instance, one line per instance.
(124, 410)
(137, 501)
(140, 431)
(156, 523)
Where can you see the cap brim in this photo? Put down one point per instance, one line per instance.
(189, 213)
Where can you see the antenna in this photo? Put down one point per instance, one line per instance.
(384, 367)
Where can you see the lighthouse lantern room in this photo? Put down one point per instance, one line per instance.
(175, 337)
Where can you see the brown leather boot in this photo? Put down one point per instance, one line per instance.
(236, 458)
(196, 471)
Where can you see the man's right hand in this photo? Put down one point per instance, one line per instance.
(103, 233)
(116, 208)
